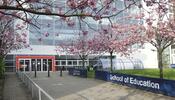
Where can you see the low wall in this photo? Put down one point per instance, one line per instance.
(157, 85)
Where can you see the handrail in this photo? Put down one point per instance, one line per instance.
(21, 75)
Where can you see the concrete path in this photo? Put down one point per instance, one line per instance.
(14, 89)
(75, 88)
(110, 91)
(57, 86)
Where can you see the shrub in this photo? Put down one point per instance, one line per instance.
(91, 74)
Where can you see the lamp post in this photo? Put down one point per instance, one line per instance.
(35, 63)
(48, 68)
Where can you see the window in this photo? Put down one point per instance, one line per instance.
(9, 63)
(57, 63)
(75, 63)
(9, 57)
(69, 62)
(80, 63)
(63, 62)
(86, 63)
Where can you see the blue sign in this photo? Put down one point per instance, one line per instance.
(163, 86)
(77, 72)
(102, 75)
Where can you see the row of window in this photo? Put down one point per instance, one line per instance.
(71, 63)
(58, 63)
(10, 63)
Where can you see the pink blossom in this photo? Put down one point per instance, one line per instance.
(70, 23)
(46, 34)
(85, 33)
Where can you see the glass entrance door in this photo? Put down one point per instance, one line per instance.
(41, 64)
(25, 64)
(38, 63)
(47, 64)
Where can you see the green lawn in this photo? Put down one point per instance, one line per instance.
(168, 73)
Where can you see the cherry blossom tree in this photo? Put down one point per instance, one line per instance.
(161, 36)
(10, 39)
(80, 47)
(118, 38)
(160, 29)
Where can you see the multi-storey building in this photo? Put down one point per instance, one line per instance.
(43, 54)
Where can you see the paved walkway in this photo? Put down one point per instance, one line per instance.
(14, 89)
(110, 91)
(75, 88)
(57, 86)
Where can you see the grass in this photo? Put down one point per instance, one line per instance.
(168, 73)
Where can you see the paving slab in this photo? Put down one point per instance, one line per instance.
(14, 89)
(111, 91)
(58, 86)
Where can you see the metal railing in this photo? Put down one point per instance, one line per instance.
(37, 92)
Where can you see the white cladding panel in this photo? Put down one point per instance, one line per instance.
(148, 56)
(36, 50)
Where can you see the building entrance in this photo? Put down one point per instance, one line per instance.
(39, 64)
(32, 63)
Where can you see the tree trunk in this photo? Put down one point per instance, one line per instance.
(111, 64)
(83, 62)
(160, 64)
(83, 58)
